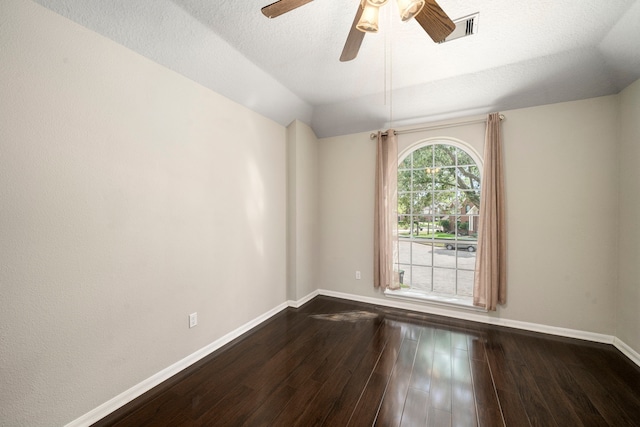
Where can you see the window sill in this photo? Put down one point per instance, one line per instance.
(435, 299)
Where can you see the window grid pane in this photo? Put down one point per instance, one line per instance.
(438, 205)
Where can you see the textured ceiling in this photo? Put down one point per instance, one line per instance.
(525, 53)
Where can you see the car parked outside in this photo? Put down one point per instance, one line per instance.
(469, 246)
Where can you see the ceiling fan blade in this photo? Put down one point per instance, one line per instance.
(354, 39)
(282, 6)
(434, 21)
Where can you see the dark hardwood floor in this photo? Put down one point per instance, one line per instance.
(397, 369)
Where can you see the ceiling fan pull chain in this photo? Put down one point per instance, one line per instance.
(390, 47)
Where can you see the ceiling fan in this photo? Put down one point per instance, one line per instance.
(427, 12)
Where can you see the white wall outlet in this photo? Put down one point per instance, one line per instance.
(358, 275)
(193, 320)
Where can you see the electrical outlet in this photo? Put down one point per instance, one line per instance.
(358, 275)
(193, 320)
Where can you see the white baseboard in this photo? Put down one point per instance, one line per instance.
(474, 316)
(627, 351)
(146, 385)
(299, 303)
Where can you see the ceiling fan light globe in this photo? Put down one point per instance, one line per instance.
(409, 8)
(377, 3)
(368, 22)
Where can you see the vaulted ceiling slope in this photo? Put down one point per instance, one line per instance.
(525, 53)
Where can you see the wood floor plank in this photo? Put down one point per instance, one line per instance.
(608, 371)
(438, 417)
(395, 396)
(531, 397)
(341, 411)
(415, 408)
(442, 339)
(161, 409)
(267, 380)
(623, 371)
(423, 365)
(503, 378)
(475, 346)
(618, 411)
(401, 368)
(561, 406)
(463, 402)
(508, 341)
(194, 384)
(459, 340)
(488, 407)
(367, 406)
(341, 386)
(321, 365)
(513, 410)
(440, 394)
(324, 354)
(278, 367)
(271, 408)
(233, 409)
(212, 384)
(566, 401)
(257, 386)
(320, 355)
(412, 331)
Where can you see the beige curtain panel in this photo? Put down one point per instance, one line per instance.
(491, 272)
(385, 234)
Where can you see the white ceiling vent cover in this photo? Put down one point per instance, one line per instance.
(465, 26)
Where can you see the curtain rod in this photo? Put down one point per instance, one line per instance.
(444, 126)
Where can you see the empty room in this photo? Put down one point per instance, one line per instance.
(329, 212)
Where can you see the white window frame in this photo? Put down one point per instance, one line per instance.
(412, 294)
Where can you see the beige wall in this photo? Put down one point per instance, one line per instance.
(346, 222)
(561, 181)
(129, 198)
(628, 302)
(302, 210)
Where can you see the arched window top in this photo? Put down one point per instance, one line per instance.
(446, 141)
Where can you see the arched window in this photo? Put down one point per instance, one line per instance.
(438, 205)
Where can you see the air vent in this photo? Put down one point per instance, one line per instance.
(466, 26)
